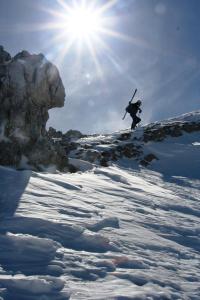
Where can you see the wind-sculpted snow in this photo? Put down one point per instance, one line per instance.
(108, 233)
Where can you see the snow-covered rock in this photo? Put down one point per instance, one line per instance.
(29, 86)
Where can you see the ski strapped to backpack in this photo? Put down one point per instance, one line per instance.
(129, 104)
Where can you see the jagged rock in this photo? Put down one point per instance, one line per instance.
(148, 159)
(69, 146)
(125, 136)
(73, 134)
(191, 127)
(53, 133)
(4, 56)
(43, 153)
(92, 155)
(70, 135)
(104, 162)
(106, 154)
(158, 132)
(29, 86)
(129, 150)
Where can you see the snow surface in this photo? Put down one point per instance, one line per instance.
(121, 232)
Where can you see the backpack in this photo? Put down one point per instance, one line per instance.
(128, 108)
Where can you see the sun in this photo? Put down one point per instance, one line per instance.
(81, 25)
(83, 22)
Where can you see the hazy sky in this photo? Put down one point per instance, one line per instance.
(156, 49)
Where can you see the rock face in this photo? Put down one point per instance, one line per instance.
(29, 86)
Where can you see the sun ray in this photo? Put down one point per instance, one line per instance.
(64, 52)
(110, 55)
(54, 13)
(107, 6)
(95, 59)
(64, 5)
(116, 34)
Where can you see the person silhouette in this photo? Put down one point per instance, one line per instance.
(133, 109)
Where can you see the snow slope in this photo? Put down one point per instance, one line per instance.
(121, 232)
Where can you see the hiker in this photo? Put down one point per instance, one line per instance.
(133, 109)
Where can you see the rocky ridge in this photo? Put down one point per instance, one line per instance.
(107, 149)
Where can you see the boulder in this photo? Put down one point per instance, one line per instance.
(30, 85)
(148, 159)
(73, 135)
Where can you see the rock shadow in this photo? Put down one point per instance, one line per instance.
(12, 185)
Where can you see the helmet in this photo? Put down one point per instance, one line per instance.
(139, 102)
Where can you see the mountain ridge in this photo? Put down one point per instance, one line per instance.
(139, 145)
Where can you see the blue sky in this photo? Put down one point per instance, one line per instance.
(161, 57)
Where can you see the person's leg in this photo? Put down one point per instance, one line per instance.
(133, 125)
(133, 122)
(138, 120)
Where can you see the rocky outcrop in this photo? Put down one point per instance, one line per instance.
(148, 159)
(29, 86)
(54, 134)
(4, 55)
(69, 136)
(158, 132)
(132, 145)
(73, 135)
(104, 152)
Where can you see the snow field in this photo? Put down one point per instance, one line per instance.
(109, 233)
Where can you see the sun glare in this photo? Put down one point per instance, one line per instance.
(83, 23)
